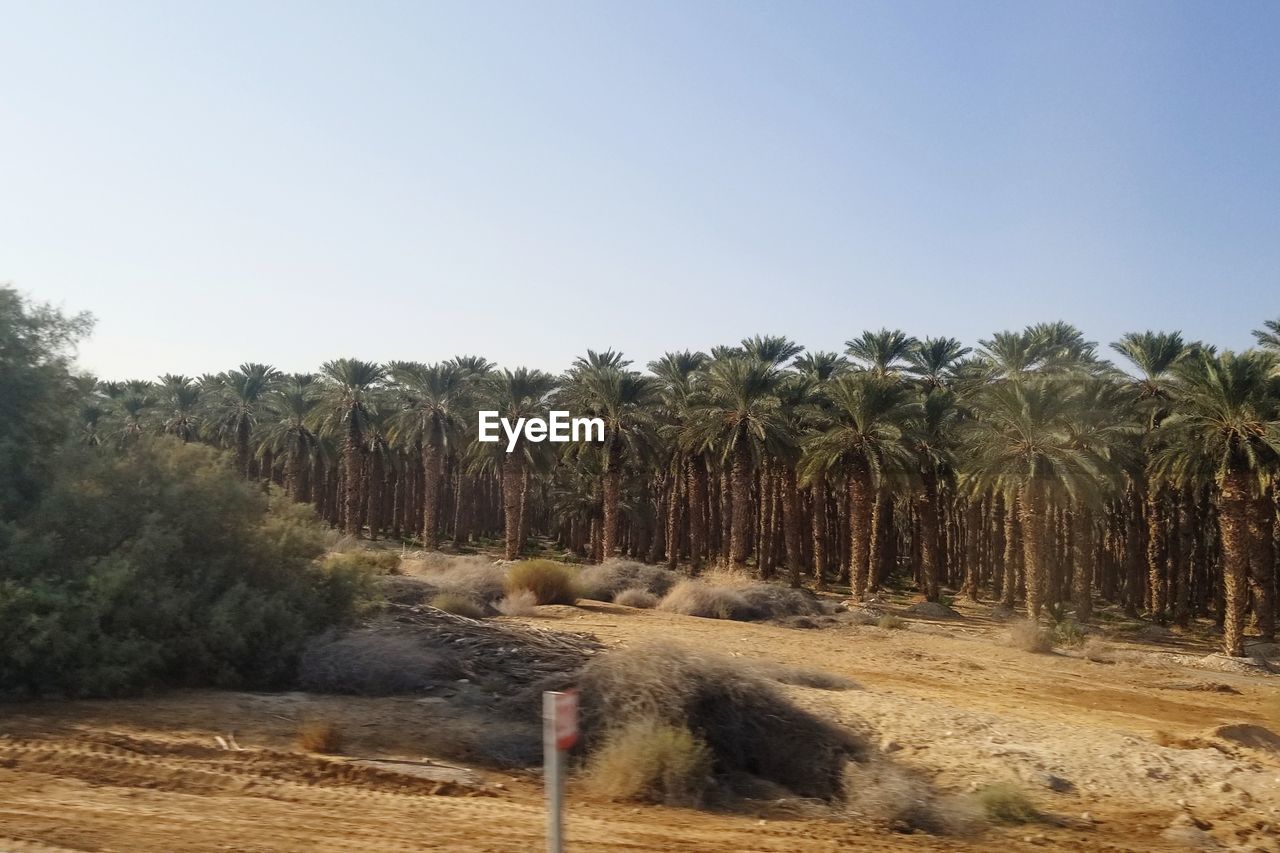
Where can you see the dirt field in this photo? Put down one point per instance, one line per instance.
(1123, 756)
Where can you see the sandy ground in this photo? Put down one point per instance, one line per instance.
(1125, 757)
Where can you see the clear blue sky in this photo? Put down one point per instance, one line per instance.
(292, 182)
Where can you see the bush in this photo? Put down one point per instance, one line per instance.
(458, 605)
(1006, 804)
(605, 581)
(727, 595)
(158, 565)
(1068, 632)
(374, 662)
(653, 762)
(902, 800)
(697, 598)
(890, 622)
(1030, 637)
(370, 562)
(474, 577)
(550, 582)
(519, 603)
(320, 736)
(748, 725)
(640, 598)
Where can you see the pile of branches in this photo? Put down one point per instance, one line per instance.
(414, 649)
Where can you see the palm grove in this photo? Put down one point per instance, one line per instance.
(1029, 469)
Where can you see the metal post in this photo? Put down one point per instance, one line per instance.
(553, 773)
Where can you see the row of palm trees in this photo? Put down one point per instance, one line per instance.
(1028, 469)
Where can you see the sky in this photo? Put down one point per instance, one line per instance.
(290, 182)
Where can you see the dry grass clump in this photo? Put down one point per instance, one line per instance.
(519, 603)
(747, 724)
(902, 800)
(549, 581)
(607, 580)
(698, 598)
(648, 761)
(723, 594)
(366, 561)
(636, 597)
(1030, 637)
(890, 622)
(458, 605)
(320, 736)
(473, 577)
(1004, 803)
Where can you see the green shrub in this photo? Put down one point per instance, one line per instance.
(1006, 804)
(458, 605)
(550, 582)
(158, 565)
(1068, 633)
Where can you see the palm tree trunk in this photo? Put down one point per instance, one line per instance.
(462, 509)
(293, 475)
(1181, 551)
(673, 518)
(1035, 556)
(1135, 546)
(791, 523)
(352, 476)
(1262, 565)
(610, 488)
(697, 507)
(1157, 553)
(740, 524)
(512, 486)
(927, 509)
(1012, 550)
(1233, 523)
(819, 489)
(972, 565)
(244, 459)
(1082, 559)
(861, 501)
(432, 463)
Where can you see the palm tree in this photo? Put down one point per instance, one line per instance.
(1225, 429)
(932, 437)
(623, 399)
(234, 398)
(934, 361)
(881, 352)
(521, 393)
(1020, 443)
(676, 372)
(291, 407)
(181, 395)
(771, 349)
(865, 435)
(1268, 336)
(435, 398)
(737, 415)
(346, 410)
